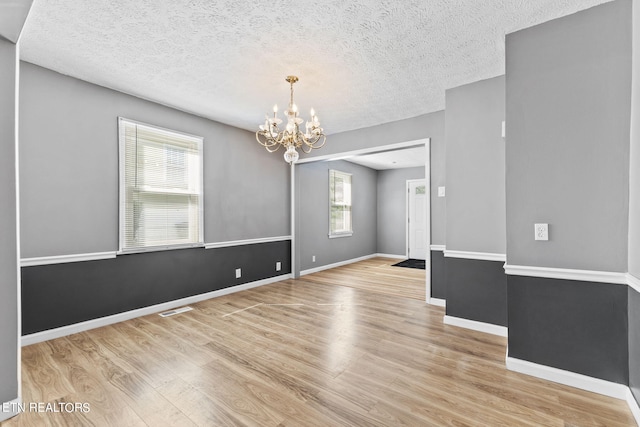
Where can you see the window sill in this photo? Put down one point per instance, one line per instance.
(159, 248)
(338, 235)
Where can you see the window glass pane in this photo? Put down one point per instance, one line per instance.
(339, 202)
(161, 193)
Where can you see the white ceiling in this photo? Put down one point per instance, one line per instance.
(360, 62)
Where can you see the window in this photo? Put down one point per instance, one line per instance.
(160, 188)
(339, 204)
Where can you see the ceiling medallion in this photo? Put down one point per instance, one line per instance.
(291, 137)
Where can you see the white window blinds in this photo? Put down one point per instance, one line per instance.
(339, 203)
(160, 188)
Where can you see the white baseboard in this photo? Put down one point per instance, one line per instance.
(437, 301)
(336, 264)
(488, 328)
(10, 409)
(120, 317)
(583, 382)
(633, 406)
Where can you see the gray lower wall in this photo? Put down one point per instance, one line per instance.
(392, 209)
(65, 294)
(312, 193)
(476, 290)
(438, 275)
(475, 167)
(69, 168)
(571, 325)
(568, 86)
(634, 342)
(9, 243)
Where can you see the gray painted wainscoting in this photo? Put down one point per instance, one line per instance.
(65, 294)
(571, 325)
(476, 290)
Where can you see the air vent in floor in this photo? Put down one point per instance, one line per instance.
(175, 311)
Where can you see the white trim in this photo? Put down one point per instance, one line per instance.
(482, 256)
(339, 235)
(440, 248)
(120, 317)
(12, 404)
(336, 264)
(633, 282)
(488, 328)
(292, 210)
(231, 243)
(633, 406)
(61, 259)
(346, 154)
(16, 143)
(567, 274)
(583, 382)
(391, 256)
(437, 302)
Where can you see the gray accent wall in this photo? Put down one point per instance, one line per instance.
(69, 168)
(475, 167)
(312, 193)
(9, 242)
(568, 86)
(392, 209)
(571, 325)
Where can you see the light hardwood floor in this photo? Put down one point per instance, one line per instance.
(309, 352)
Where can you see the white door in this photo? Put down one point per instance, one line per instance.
(417, 219)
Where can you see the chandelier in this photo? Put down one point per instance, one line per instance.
(291, 137)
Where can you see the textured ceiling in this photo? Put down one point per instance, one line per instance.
(360, 62)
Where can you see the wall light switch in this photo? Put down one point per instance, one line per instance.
(313, 258)
(542, 231)
(504, 129)
(238, 273)
(278, 266)
(440, 191)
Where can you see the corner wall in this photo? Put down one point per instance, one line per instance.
(313, 201)
(475, 203)
(634, 211)
(568, 103)
(9, 224)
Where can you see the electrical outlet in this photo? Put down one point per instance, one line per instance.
(313, 258)
(278, 266)
(542, 231)
(238, 273)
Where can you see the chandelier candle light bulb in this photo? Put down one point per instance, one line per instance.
(291, 138)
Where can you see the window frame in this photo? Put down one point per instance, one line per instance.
(338, 234)
(122, 189)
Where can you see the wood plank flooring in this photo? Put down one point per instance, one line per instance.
(309, 352)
